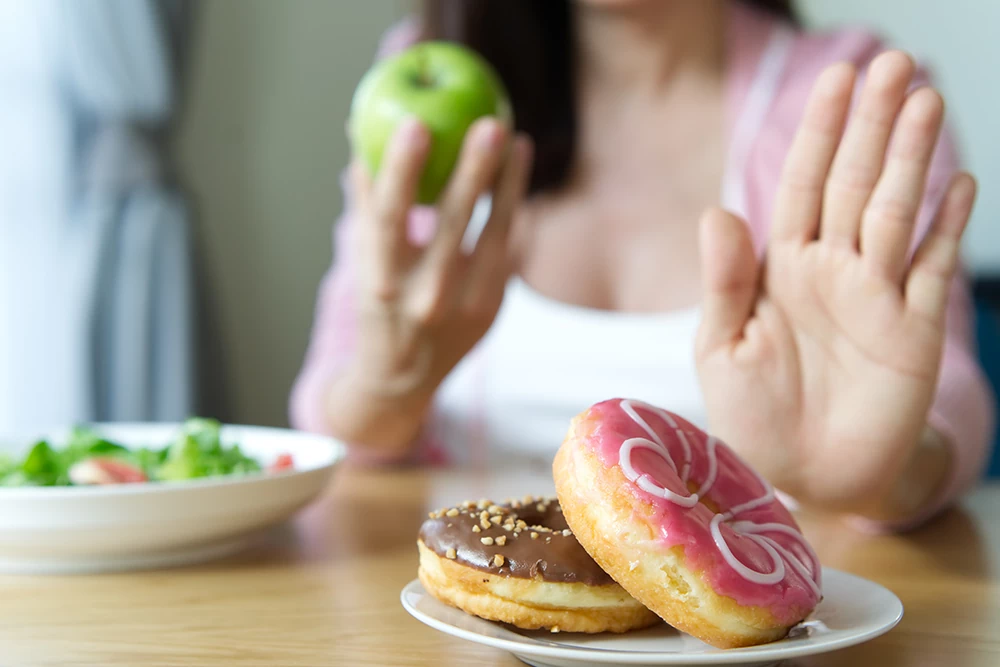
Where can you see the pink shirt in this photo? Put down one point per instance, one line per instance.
(963, 406)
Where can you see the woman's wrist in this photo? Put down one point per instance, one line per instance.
(384, 419)
(918, 484)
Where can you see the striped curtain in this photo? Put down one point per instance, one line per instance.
(96, 292)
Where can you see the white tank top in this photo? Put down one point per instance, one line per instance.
(544, 361)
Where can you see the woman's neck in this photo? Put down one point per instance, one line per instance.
(645, 47)
(650, 83)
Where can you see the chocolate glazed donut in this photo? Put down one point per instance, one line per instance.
(519, 563)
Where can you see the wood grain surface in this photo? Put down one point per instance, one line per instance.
(324, 589)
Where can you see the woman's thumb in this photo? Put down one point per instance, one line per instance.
(730, 277)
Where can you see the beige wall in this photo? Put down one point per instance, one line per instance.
(260, 146)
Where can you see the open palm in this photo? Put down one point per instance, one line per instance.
(820, 365)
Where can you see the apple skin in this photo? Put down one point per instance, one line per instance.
(444, 85)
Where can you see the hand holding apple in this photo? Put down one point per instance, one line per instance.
(421, 308)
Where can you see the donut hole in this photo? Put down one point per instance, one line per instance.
(707, 502)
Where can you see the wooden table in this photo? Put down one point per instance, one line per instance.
(324, 590)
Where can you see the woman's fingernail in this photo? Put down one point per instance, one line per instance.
(489, 134)
(411, 133)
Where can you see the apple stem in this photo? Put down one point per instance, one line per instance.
(424, 79)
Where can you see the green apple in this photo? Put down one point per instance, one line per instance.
(444, 85)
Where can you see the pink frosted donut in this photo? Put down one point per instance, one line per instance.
(684, 525)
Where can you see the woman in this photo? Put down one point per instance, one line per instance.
(792, 322)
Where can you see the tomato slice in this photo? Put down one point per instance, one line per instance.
(105, 470)
(283, 462)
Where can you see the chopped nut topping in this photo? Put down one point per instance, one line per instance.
(502, 540)
(451, 512)
(477, 529)
(450, 525)
(548, 539)
(493, 509)
(534, 535)
(488, 541)
(484, 523)
(498, 560)
(555, 629)
(484, 516)
(516, 504)
(521, 524)
(450, 554)
(567, 532)
(540, 507)
(467, 504)
(495, 519)
(527, 500)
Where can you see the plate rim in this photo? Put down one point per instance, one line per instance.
(337, 452)
(590, 656)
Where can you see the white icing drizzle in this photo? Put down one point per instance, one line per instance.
(645, 482)
(811, 572)
(777, 572)
(629, 407)
(686, 470)
(752, 530)
(713, 467)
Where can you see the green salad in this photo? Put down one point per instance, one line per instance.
(88, 458)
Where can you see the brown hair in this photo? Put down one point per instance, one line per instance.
(531, 45)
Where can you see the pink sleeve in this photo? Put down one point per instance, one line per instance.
(963, 408)
(332, 341)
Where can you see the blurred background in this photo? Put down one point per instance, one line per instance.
(169, 175)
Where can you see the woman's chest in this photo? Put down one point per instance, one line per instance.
(543, 361)
(626, 241)
(638, 254)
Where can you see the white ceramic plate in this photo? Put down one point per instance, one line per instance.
(130, 526)
(853, 610)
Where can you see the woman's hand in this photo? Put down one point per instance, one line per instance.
(820, 366)
(421, 309)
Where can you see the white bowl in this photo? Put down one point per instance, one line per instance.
(157, 524)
